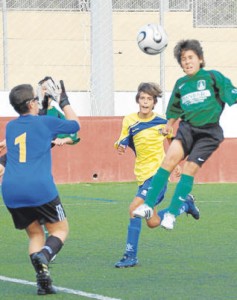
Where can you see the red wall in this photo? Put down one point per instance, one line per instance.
(94, 158)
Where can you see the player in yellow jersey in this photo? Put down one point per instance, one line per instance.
(142, 132)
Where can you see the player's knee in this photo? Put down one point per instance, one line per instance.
(153, 222)
(59, 229)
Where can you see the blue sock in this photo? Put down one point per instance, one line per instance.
(182, 209)
(134, 229)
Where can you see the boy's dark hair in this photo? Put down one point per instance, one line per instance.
(19, 97)
(185, 45)
(149, 88)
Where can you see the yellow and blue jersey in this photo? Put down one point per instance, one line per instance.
(145, 138)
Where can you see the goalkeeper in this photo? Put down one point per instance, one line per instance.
(28, 188)
(47, 92)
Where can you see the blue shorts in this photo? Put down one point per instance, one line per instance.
(142, 191)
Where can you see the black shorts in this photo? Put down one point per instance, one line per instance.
(199, 142)
(50, 212)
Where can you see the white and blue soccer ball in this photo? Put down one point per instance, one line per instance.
(152, 39)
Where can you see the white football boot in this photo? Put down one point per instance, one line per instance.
(168, 221)
(143, 211)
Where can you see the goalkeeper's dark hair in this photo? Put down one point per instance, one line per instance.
(185, 45)
(19, 97)
(149, 88)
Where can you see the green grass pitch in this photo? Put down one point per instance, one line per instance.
(195, 261)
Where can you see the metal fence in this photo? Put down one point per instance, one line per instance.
(215, 13)
(84, 5)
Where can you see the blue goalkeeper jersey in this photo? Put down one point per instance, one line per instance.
(28, 179)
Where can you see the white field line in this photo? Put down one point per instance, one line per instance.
(61, 289)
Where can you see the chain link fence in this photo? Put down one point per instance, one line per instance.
(215, 13)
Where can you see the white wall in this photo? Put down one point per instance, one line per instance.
(124, 104)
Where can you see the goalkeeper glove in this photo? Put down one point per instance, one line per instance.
(50, 88)
(63, 98)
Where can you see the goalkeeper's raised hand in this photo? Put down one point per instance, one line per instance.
(47, 88)
(50, 87)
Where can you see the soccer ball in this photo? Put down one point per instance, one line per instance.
(152, 39)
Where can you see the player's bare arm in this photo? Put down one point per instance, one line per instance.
(63, 141)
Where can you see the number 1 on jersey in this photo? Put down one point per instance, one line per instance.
(21, 140)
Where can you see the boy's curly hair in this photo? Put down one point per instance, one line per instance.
(185, 45)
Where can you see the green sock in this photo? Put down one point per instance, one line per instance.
(183, 188)
(157, 184)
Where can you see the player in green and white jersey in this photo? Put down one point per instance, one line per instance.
(197, 101)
